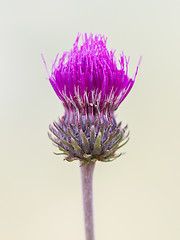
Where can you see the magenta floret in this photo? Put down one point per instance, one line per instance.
(89, 75)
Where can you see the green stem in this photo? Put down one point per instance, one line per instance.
(87, 194)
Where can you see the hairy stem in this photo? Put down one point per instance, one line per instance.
(87, 194)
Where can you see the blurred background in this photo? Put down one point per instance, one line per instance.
(138, 195)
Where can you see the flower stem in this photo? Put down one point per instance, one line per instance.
(87, 194)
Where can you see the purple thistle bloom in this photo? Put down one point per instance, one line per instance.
(91, 86)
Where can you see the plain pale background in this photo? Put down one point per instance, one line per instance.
(137, 196)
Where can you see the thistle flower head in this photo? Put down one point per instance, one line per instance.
(91, 85)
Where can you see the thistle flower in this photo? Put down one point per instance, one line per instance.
(91, 85)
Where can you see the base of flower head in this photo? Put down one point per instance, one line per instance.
(89, 141)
